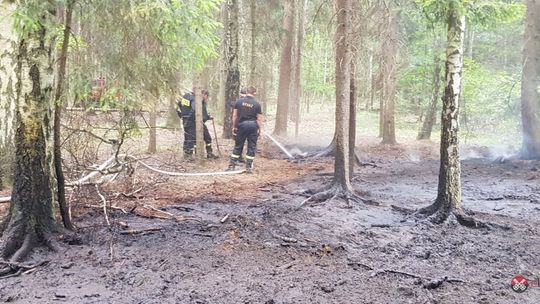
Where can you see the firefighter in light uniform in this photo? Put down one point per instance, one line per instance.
(187, 113)
(247, 125)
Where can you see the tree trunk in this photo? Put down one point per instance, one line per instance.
(173, 121)
(152, 138)
(448, 200)
(264, 90)
(381, 95)
(429, 120)
(253, 19)
(296, 90)
(352, 120)
(232, 83)
(64, 210)
(224, 59)
(390, 70)
(31, 216)
(530, 84)
(342, 171)
(8, 57)
(8, 48)
(199, 129)
(285, 70)
(369, 102)
(153, 96)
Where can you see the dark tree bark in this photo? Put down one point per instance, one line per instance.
(61, 182)
(448, 202)
(341, 186)
(232, 82)
(430, 117)
(530, 84)
(352, 121)
(285, 70)
(31, 217)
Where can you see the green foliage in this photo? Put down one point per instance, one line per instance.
(28, 17)
(484, 12)
(141, 47)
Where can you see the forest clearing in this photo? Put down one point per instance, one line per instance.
(280, 151)
(214, 242)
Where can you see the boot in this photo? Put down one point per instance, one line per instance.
(249, 166)
(232, 165)
(210, 154)
(188, 155)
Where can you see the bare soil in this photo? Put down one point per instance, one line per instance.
(243, 239)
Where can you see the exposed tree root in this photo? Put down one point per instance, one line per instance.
(437, 214)
(337, 192)
(24, 249)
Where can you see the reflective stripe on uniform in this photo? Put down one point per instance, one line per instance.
(250, 157)
(235, 156)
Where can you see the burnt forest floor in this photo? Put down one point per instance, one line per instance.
(243, 239)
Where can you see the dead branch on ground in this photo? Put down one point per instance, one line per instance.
(104, 206)
(13, 269)
(140, 231)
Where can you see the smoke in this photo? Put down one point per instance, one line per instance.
(496, 152)
(295, 151)
(502, 152)
(466, 153)
(414, 156)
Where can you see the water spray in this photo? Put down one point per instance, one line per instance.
(279, 145)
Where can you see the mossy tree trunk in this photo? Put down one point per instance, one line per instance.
(31, 216)
(232, 81)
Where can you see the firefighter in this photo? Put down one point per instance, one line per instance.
(247, 125)
(187, 113)
(242, 95)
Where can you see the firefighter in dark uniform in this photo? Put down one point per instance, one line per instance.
(247, 125)
(187, 113)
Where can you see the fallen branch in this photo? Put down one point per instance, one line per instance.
(19, 268)
(170, 215)
(104, 206)
(429, 283)
(131, 194)
(284, 238)
(99, 170)
(139, 231)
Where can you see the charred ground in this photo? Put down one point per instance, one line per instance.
(243, 239)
